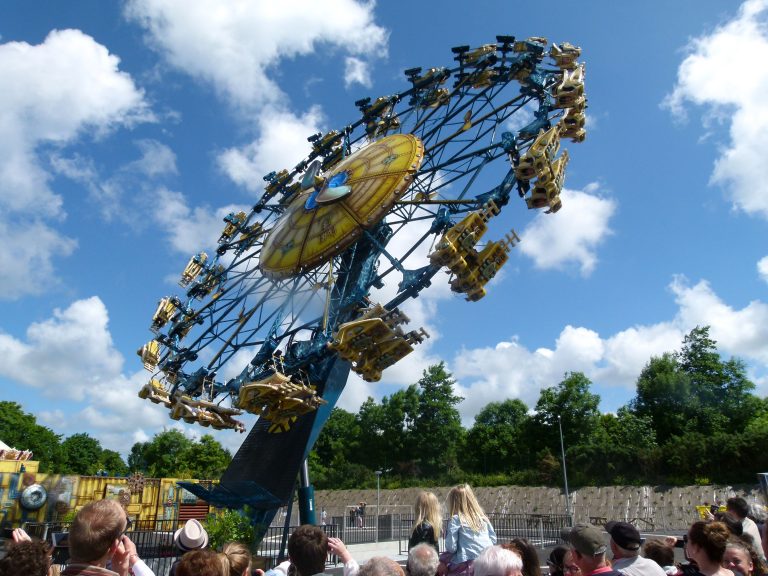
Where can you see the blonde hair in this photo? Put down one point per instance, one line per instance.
(427, 508)
(462, 503)
(236, 559)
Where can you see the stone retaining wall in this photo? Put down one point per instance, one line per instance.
(649, 507)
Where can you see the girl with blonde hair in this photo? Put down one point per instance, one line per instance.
(428, 524)
(236, 559)
(469, 531)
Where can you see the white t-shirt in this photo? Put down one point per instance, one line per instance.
(638, 566)
(751, 529)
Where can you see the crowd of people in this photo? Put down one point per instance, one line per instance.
(725, 544)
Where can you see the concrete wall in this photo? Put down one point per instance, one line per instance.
(651, 507)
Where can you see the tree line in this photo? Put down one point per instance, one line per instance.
(168, 454)
(694, 419)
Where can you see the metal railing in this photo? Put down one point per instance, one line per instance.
(542, 530)
(153, 539)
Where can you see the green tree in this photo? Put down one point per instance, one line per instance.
(113, 463)
(339, 436)
(621, 450)
(574, 404)
(21, 430)
(136, 460)
(664, 396)
(495, 442)
(386, 430)
(164, 452)
(437, 430)
(82, 455)
(331, 462)
(205, 459)
(721, 389)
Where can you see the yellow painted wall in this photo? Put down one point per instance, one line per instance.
(159, 498)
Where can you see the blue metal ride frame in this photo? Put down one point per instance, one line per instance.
(262, 475)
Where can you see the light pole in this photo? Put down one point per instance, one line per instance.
(565, 472)
(378, 499)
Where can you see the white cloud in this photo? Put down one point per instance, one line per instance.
(66, 354)
(26, 257)
(282, 143)
(128, 194)
(762, 268)
(71, 357)
(356, 72)
(720, 74)
(189, 229)
(234, 46)
(510, 370)
(572, 235)
(157, 159)
(53, 93)
(740, 332)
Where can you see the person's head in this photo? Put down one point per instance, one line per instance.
(555, 561)
(237, 559)
(462, 503)
(307, 549)
(706, 541)
(381, 566)
(423, 560)
(527, 552)
(738, 557)
(625, 539)
(732, 521)
(570, 568)
(427, 508)
(96, 531)
(738, 506)
(659, 551)
(30, 558)
(498, 561)
(587, 545)
(202, 562)
(191, 536)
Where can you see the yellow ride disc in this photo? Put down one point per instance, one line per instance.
(321, 223)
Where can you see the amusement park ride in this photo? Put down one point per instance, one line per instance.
(273, 322)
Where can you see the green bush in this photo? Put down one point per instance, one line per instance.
(228, 526)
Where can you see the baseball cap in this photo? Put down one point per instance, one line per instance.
(585, 538)
(624, 534)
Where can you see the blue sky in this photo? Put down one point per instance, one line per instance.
(128, 130)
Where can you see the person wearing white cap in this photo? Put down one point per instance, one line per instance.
(191, 536)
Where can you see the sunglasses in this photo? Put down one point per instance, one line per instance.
(128, 526)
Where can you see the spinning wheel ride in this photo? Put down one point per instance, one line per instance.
(306, 286)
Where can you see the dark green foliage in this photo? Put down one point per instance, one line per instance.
(77, 454)
(82, 455)
(694, 419)
(21, 430)
(228, 526)
(496, 442)
(170, 454)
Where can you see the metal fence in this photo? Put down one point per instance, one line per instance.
(542, 530)
(154, 543)
(154, 539)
